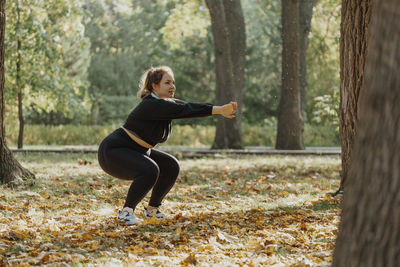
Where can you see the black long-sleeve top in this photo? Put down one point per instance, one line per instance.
(151, 118)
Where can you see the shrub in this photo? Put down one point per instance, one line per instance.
(61, 134)
(113, 109)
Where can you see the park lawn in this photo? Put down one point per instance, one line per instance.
(224, 211)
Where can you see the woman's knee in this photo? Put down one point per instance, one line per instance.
(176, 167)
(151, 173)
(174, 164)
(171, 165)
(173, 169)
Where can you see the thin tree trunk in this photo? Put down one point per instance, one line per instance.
(21, 121)
(305, 16)
(353, 49)
(369, 233)
(290, 119)
(18, 82)
(11, 171)
(229, 44)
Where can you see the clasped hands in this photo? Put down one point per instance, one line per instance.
(228, 110)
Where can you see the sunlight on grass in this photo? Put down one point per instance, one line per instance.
(235, 211)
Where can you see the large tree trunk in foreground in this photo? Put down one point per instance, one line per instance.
(11, 171)
(353, 49)
(305, 16)
(290, 119)
(230, 47)
(369, 232)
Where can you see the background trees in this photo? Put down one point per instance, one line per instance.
(98, 62)
(128, 38)
(369, 231)
(45, 60)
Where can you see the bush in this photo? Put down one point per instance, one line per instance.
(189, 135)
(113, 109)
(60, 134)
(321, 135)
(181, 135)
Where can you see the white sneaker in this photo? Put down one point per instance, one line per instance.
(126, 215)
(133, 220)
(148, 214)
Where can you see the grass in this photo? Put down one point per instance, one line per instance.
(324, 205)
(232, 211)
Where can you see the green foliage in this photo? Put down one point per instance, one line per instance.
(326, 110)
(321, 135)
(260, 135)
(263, 69)
(60, 134)
(53, 55)
(188, 35)
(178, 33)
(323, 65)
(114, 109)
(126, 41)
(188, 19)
(82, 61)
(263, 65)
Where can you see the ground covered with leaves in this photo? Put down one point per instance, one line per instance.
(247, 211)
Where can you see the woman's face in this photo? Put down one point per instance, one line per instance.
(166, 87)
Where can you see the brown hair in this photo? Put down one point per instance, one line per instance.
(152, 75)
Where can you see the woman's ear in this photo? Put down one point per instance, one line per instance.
(155, 86)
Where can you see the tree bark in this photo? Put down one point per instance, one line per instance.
(369, 233)
(354, 30)
(228, 29)
(290, 119)
(305, 16)
(11, 171)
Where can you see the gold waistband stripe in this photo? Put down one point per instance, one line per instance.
(137, 139)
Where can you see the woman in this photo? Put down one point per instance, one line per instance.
(128, 153)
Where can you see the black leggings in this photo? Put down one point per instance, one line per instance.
(121, 157)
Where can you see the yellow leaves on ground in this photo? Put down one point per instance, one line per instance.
(234, 212)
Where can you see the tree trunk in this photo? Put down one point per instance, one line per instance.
(290, 119)
(305, 16)
(21, 122)
(18, 82)
(11, 171)
(369, 233)
(230, 47)
(353, 49)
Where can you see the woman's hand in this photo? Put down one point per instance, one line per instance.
(227, 110)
